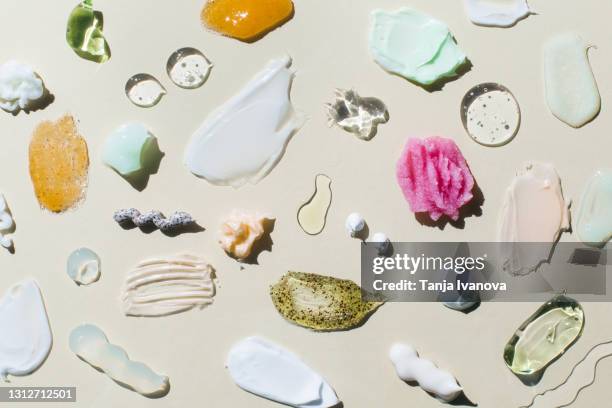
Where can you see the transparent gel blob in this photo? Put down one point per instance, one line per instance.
(144, 90)
(188, 68)
(83, 266)
(312, 215)
(490, 114)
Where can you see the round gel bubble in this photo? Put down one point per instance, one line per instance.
(83, 266)
(188, 68)
(144, 90)
(490, 114)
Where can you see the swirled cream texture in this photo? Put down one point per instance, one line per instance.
(91, 345)
(571, 90)
(414, 45)
(594, 218)
(20, 87)
(244, 139)
(268, 370)
(165, 286)
(534, 210)
(25, 335)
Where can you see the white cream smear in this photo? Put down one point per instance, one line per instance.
(244, 139)
(594, 219)
(571, 90)
(496, 13)
(91, 345)
(265, 369)
(25, 335)
(165, 286)
(7, 224)
(534, 210)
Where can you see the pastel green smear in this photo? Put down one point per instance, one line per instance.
(133, 152)
(414, 45)
(545, 336)
(320, 302)
(594, 219)
(84, 33)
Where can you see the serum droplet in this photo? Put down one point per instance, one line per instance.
(312, 215)
(188, 68)
(144, 90)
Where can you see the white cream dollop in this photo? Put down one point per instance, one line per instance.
(496, 13)
(239, 232)
(25, 335)
(7, 224)
(354, 224)
(382, 242)
(410, 367)
(265, 369)
(19, 86)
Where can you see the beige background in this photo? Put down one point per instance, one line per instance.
(328, 41)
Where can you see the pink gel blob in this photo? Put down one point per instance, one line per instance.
(434, 177)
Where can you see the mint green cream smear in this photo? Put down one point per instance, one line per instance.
(415, 46)
(594, 219)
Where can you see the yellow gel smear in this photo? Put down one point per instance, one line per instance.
(246, 20)
(58, 164)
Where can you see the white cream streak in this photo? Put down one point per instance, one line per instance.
(165, 286)
(7, 224)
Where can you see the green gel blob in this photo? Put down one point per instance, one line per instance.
(545, 336)
(594, 219)
(414, 45)
(84, 33)
(133, 152)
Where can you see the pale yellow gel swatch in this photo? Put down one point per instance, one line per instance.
(312, 215)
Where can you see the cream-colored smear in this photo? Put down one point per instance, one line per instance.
(244, 139)
(25, 335)
(91, 345)
(311, 216)
(594, 219)
(496, 13)
(571, 90)
(265, 369)
(164, 286)
(534, 210)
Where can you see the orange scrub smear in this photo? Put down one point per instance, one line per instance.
(58, 164)
(246, 20)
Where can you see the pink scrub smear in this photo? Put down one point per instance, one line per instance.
(434, 177)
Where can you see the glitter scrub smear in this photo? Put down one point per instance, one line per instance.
(244, 139)
(571, 89)
(25, 335)
(533, 210)
(269, 371)
(58, 164)
(246, 20)
(165, 286)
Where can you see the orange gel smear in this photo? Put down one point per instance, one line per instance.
(246, 20)
(58, 164)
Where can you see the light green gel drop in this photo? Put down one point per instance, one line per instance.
(83, 266)
(84, 33)
(414, 45)
(545, 336)
(133, 152)
(594, 219)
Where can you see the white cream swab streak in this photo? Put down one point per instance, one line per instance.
(7, 224)
(164, 286)
(410, 367)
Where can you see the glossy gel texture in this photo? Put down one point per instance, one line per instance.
(322, 303)
(58, 164)
(594, 217)
(312, 215)
(357, 115)
(245, 20)
(490, 114)
(90, 344)
(545, 336)
(83, 266)
(144, 90)
(188, 68)
(84, 33)
(414, 45)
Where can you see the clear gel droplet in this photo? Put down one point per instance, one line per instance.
(188, 68)
(144, 90)
(494, 123)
